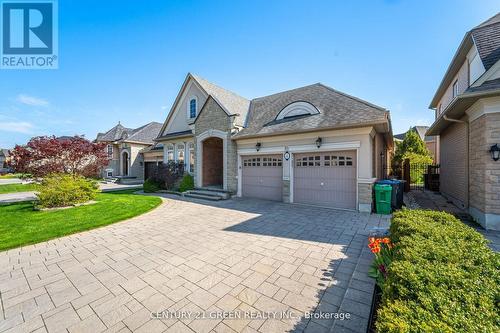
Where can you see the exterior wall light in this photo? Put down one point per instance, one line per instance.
(318, 142)
(257, 146)
(495, 152)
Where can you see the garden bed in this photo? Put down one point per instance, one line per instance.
(442, 278)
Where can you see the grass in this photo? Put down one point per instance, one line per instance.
(10, 188)
(21, 225)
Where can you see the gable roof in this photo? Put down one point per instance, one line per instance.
(486, 38)
(337, 110)
(4, 152)
(421, 130)
(144, 134)
(232, 103)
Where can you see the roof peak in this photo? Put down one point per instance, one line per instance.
(492, 20)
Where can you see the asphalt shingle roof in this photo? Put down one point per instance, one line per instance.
(337, 110)
(487, 39)
(145, 134)
(233, 103)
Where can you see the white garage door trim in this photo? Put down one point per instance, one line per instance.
(340, 148)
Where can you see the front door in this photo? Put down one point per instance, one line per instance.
(125, 163)
(213, 163)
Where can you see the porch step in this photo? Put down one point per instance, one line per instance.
(202, 196)
(208, 194)
(130, 181)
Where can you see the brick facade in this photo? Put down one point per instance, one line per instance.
(484, 189)
(213, 117)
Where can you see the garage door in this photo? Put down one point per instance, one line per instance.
(262, 177)
(325, 179)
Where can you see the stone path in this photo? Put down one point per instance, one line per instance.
(435, 201)
(214, 259)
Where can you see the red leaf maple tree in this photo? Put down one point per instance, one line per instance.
(44, 155)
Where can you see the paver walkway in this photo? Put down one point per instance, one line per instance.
(435, 201)
(226, 258)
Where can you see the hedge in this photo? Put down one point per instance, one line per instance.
(60, 190)
(443, 277)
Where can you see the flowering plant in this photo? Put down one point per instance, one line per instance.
(383, 250)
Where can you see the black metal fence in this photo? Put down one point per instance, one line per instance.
(418, 176)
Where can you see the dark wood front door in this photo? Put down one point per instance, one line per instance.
(213, 160)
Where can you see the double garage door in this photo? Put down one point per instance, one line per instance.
(324, 179)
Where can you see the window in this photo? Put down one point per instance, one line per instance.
(191, 157)
(192, 108)
(109, 172)
(170, 153)
(110, 151)
(455, 89)
(180, 152)
(296, 109)
(327, 161)
(264, 161)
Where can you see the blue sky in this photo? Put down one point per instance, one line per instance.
(125, 60)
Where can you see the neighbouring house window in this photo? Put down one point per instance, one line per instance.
(180, 152)
(455, 89)
(109, 173)
(191, 157)
(170, 153)
(110, 151)
(192, 108)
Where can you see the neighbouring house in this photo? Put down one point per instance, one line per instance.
(124, 148)
(311, 145)
(430, 141)
(4, 158)
(467, 110)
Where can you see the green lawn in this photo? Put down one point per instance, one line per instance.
(10, 175)
(9, 188)
(21, 225)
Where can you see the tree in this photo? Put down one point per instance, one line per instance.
(44, 155)
(412, 147)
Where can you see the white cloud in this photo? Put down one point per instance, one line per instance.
(18, 127)
(32, 101)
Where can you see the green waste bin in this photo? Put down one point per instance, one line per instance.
(383, 197)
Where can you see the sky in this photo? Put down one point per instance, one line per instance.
(122, 60)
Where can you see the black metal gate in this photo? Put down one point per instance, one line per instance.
(417, 176)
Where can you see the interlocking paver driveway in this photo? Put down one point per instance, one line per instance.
(222, 258)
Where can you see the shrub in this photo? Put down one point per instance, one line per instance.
(150, 186)
(167, 174)
(187, 183)
(59, 190)
(443, 277)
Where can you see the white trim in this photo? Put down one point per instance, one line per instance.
(352, 145)
(366, 180)
(292, 164)
(482, 107)
(297, 109)
(199, 152)
(262, 151)
(239, 192)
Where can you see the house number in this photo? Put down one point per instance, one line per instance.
(287, 156)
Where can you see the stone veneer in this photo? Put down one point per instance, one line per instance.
(365, 197)
(484, 186)
(212, 116)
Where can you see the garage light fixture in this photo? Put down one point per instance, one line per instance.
(257, 146)
(495, 152)
(318, 142)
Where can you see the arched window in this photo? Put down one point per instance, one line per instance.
(170, 153)
(191, 157)
(180, 152)
(192, 107)
(297, 109)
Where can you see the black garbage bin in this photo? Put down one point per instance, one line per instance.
(397, 192)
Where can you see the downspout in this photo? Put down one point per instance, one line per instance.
(445, 117)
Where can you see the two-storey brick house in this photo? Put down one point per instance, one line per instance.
(467, 110)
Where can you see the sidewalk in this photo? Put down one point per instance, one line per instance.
(434, 200)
